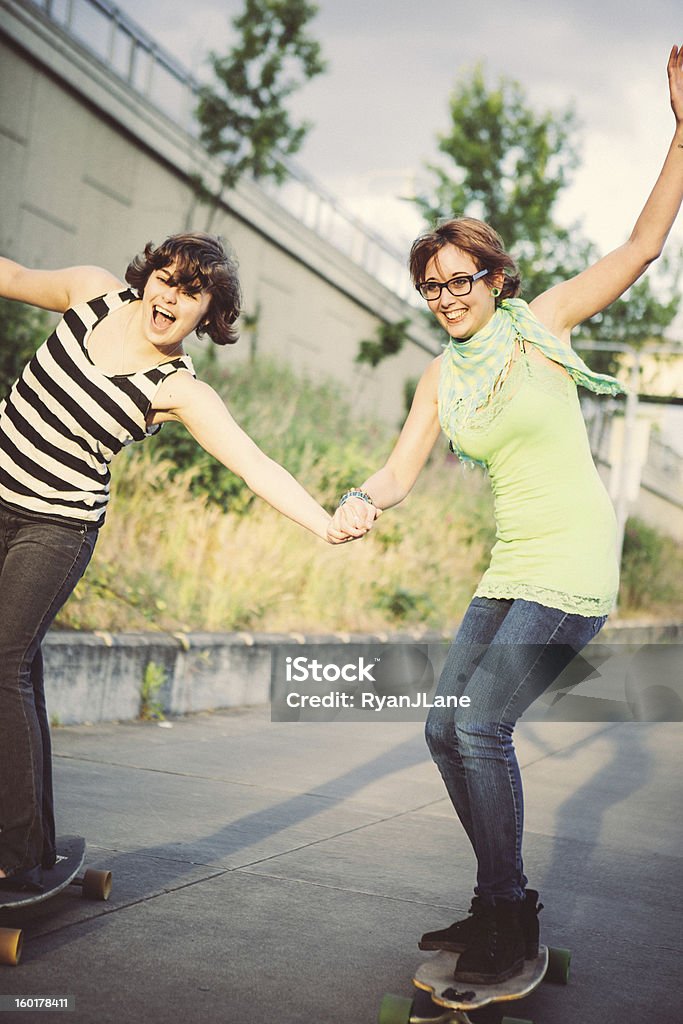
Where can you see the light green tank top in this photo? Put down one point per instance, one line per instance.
(555, 525)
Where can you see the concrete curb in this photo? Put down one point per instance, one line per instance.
(100, 677)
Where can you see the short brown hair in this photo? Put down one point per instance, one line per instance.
(202, 263)
(474, 237)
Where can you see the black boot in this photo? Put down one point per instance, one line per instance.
(497, 952)
(529, 920)
(457, 936)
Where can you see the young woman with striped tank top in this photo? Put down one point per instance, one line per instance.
(112, 372)
(504, 393)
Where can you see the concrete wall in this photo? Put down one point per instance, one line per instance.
(98, 677)
(658, 511)
(660, 496)
(91, 172)
(95, 677)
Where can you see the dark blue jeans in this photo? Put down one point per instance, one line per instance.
(505, 655)
(40, 564)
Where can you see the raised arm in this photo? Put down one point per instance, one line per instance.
(563, 307)
(54, 289)
(390, 484)
(202, 411)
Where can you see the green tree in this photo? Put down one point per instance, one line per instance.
(389, 339)
(243, 115)
(508, 165)
(630, 318)
(638, 317)
(22, 329)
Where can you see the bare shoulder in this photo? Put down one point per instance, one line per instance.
(86, 282)
(426, 396)
(181, 393)
(429, 382)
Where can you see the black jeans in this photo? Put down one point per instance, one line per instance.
(41, 562)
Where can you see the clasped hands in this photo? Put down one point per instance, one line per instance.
(352, 520)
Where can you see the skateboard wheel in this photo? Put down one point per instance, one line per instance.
(10, 946)
(395, 1010)
(96, 885)
(559, 961)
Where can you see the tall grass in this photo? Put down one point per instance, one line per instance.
(170, 560)
(187, 547)
(651, 571)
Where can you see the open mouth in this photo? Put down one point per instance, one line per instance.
(162, 317)
(456, 316)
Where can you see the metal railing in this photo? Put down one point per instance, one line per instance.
(156, 76)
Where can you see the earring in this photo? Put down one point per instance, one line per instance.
(495, 292)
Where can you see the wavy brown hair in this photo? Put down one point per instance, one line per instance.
(478, 240)
(201, 263)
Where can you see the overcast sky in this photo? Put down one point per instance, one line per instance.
(392, 64)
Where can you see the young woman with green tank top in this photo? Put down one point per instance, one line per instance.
(504, 392)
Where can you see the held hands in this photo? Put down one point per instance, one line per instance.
(353, 519)
(674, 70)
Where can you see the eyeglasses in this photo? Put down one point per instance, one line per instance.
(459, 285)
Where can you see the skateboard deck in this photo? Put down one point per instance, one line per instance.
(95, 885)
(440, 998)
(435, 976)
(70, 857)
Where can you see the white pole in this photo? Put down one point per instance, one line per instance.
(627, 454)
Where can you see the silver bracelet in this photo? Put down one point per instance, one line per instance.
(355, 493)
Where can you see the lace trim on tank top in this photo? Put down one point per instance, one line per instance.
(575, 604)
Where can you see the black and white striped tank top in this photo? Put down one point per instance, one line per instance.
(64, 419)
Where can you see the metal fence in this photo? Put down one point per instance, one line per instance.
(156, 76)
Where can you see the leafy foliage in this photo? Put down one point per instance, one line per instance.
(511, 164)
(284, 414)
(637, 317)
(389, 339)
(22, 330)
(508, 165)
(243, 116)
(153, 680)
(650, 568)
(401, 603)
(409, 389)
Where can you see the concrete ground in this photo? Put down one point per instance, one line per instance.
(283, 872)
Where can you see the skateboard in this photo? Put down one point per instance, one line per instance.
(95, 885)
(450, 1000)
